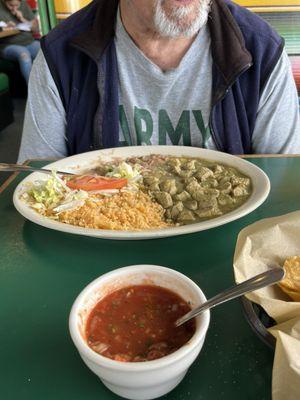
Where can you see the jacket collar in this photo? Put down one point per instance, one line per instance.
(95, 40)
(229, 53)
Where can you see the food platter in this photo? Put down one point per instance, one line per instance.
(85, 161)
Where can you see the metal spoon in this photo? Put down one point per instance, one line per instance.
(258, 281)
(20, 167)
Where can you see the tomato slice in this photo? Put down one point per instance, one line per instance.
(90, 182)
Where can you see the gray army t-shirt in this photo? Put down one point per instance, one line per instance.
(159, 107)
(181, 117)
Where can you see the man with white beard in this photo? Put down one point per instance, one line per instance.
(144, 72)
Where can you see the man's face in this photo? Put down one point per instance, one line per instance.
(173, 18)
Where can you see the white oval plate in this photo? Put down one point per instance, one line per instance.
(81, 162)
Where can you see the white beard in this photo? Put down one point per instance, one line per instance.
(174, 24)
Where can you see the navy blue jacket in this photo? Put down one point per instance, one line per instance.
(81, 56)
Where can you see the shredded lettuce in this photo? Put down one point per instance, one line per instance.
(125, 170)
(53, 194)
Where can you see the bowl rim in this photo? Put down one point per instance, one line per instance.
(85, 350)
(255, 322)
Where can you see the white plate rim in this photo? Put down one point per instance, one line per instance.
(260, 181)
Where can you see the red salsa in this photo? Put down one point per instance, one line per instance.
(136, 323)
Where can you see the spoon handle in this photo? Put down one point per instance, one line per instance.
(258, 281)
(20, 167)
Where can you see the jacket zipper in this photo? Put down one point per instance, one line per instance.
(221, 97)
(96, 143)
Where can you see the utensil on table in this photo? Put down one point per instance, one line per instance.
(258, 281)
(20, 167)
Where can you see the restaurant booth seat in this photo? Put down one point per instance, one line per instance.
(6, 106)
(17, 84)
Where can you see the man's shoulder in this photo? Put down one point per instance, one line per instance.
(77, 23)
(252, 25)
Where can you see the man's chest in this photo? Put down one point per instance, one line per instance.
(152, 112)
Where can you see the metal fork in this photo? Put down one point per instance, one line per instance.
(20, 167)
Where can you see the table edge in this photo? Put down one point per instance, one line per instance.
(7, 33)
(8, 181)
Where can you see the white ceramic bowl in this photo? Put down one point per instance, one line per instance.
(139, 380)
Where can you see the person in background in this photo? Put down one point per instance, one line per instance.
(20, 47)
(199, 73)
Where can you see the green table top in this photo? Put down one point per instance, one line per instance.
(42, 271)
